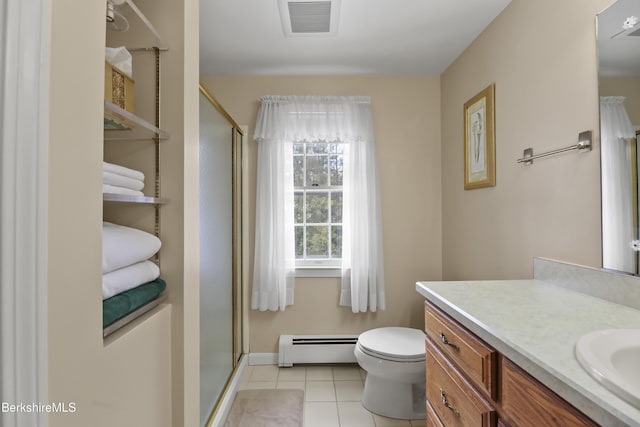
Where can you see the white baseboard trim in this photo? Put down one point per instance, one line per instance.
(227, 400)
(263, 359)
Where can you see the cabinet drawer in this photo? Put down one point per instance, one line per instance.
(453, 398)
(432, 417)
(475, 358)
(527, 402)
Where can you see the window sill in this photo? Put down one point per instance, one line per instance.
(318, 272)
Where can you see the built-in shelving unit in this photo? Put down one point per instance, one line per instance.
(123, 127)
(133, 127)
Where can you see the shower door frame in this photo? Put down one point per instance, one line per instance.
(238, 184)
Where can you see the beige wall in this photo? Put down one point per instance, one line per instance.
(188, 365)
(628, 87)
(75, 339)
(542, 58)
(407, 120)
(142, 374)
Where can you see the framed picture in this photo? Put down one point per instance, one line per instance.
(479, 141)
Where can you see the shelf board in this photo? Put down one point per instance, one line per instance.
(134, 315)
(112, 123)
(125, 198)
(149, 28)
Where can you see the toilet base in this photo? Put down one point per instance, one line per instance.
(392, 399)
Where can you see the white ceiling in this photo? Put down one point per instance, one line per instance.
(619, 54)
(375, 37)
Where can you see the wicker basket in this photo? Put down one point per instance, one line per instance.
(118, 89)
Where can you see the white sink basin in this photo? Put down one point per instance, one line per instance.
(612, 357)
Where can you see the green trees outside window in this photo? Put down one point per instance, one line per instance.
(318, 177)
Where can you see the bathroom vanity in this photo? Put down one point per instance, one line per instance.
(502, 353)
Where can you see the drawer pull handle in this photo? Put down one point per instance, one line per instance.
(448, 405)
(444, 339)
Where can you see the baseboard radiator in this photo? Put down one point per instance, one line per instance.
(294, 349)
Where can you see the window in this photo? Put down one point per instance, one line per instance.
(318, 170)
(327, 219)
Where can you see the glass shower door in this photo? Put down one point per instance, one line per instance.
(217, 263)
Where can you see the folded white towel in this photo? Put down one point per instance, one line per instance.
(123, 246)
(126, 278)
(113, 189)
(111, 178)
(121, 170)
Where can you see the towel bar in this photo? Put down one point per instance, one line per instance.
(584, 144)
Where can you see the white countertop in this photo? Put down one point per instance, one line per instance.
(536, 325)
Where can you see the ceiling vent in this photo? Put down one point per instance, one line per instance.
(309, 17)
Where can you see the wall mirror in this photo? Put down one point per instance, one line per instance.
(618, 34)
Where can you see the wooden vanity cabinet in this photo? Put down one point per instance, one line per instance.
(527, 402)
(470, 384)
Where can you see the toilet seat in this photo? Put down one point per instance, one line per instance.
(394, 344)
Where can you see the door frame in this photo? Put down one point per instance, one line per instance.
(24, 89)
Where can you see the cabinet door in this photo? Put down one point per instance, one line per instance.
(528, 403)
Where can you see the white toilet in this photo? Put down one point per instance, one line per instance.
(394, 359)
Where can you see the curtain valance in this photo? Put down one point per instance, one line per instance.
(315, 118)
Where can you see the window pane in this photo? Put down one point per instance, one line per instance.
(318, 164)
(299, 241)
(298, 171)
(298, 210)
(336, 165)
(317, 170)
(318, 207)
(336, 148)
(336, 206)
(317, 147)
(336, 241)
(317, 241)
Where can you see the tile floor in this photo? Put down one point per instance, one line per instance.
(332, 394)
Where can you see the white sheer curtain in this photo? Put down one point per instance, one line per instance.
(274, 263)
(362, 264)
(281, 121)
(617, 208)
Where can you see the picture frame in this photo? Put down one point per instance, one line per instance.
(479, 140)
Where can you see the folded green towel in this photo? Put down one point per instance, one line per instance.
(120, 305)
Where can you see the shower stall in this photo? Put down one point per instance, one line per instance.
(220, 231)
